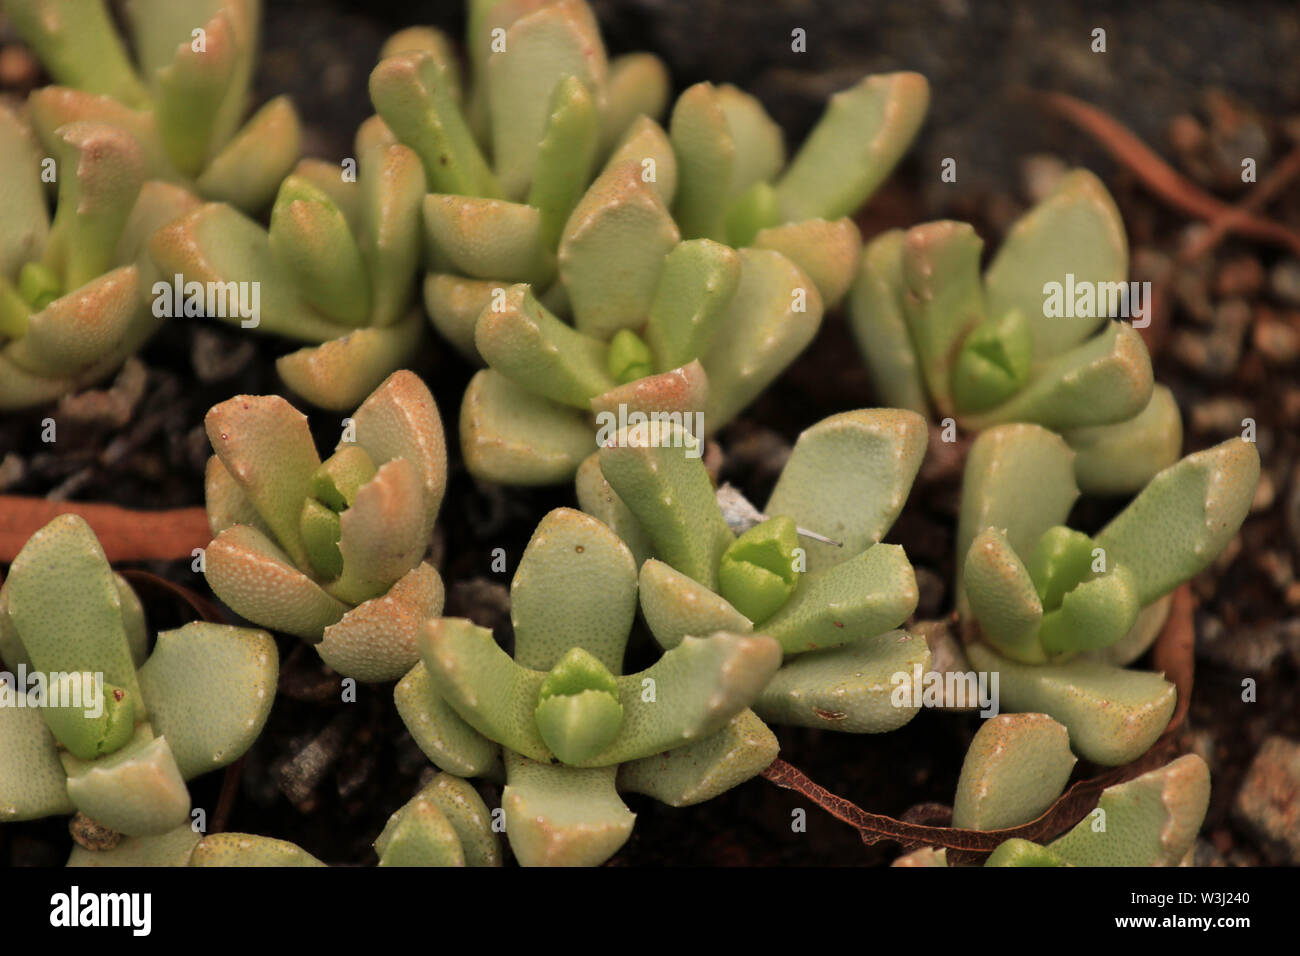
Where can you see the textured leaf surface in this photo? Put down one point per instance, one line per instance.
(875, 313)
(563, 816)
(1121, 458)
(676, 606)
(376, 640)
(137, 790)
(244, 849)
(702, 770)
(1017, 765)
(443, 735)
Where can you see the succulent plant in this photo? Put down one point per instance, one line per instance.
(570, 726)
(184, 101)
(586, 296)
(332, 551)
(835, 607)
(941, 339)
(74, 289)
(111, 728)
(1058, 613)
(445, 824)
(336, 268)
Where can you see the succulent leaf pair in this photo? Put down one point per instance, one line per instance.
(571, 727)
(939, 337)
(118, 727)
(185, 99)
(1059, 613)
(835, 608)
(74, 289)
(332, 551)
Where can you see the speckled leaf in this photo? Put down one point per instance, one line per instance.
(647, 146)
(684, 391)
(137, 790)
(612, 251)
(209, 689)
(249, 168)
(637, 89)
(1151, 820)
(1113, 715)
(468, 815)
(80, 328)
(550, 614)
(443, 735)
(563, 816)
(1017, 765)
(392, 189)
(338, 374)
(22, 196)
(598, 499)
(244, 849)
(676, 606)
(1003, 598)
(868, 595)
(706, 162)
(671, 495)
(189, 92)
(376, 641)
(1105, 380)
(419, 834)
(565, 157)
(696, 285)
(512, 437)
(827, 251)
(1184, 517)
(702, 770)
(522, 340)
(172, 848)
(1120, 459)
(1076, 230)
(875, 313)
(854, 146)
(79, 46)
(848, 478)
(381, 535)
(33, 783)
(453, 304)
(773, 316)
(488, 238)
(849, 688)
(312, 242)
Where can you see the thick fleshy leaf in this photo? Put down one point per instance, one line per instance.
(172, 848)
(454, 303)
(759, 142)
(563, 816)
(565, 157)
(1151, 820)
(443, 735)
(702, 770)
(22, 196)
(64, 603)
(189, 92)
(157, 205)
(1003, 598)
(550, 614)
(488, 238)
(1105, 380)
(259, 582)
(1019, 479)
(681, 392)
(217, 244)
(612, 251)
(879, 324)
(226, 502)
(245, 849)
(52, 107)
(868, 687)
(376, 641)
(773, 316)
(79, 46)
(598, 499)
(1017, 765)
(249, 168)
(338, 374)
(1150, 623)
(419, 834)
(468, 815)
(138, 790)
(513, 437)
(860, 598)
(943, 299)
(637, 89)
(1096, 613)
(1017, 852)
(541, 49)
(648, 147)
(827, 251)
(381, 535)
(848, 478)
(854, 146)
(696, 285)
(430, 40)
(209, 689)
(1184, 517)
(1113, 715)
(1074, 231)
(663, 482)
(33, 783)
(266, 446)
(1120, 459)
(311, 240)
(706, 162)
(392, 190)
(993, 364)
(522, 340)
(81, 328)
(400, 420)
(417, 97)
(676, 606)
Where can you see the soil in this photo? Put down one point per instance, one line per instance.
(326, 774)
